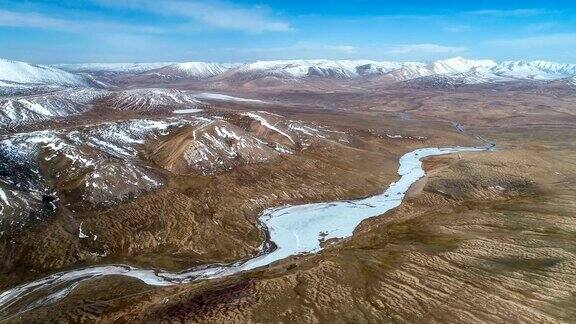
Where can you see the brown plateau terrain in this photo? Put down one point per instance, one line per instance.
(486, 237)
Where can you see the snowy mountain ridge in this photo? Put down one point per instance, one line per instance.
(326, 68)
(465, 70)
(470, 71)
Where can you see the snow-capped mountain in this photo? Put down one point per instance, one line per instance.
(349, 69)
(14, 72)
(471, 71)
(535, 70)
(465, 70)
(460, 65)
(462, 71)
(342, 69)
(192, 70)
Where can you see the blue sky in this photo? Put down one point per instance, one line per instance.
(71, 31)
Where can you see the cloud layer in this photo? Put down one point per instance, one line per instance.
(509, 13)
(37, 20)
(213, 14)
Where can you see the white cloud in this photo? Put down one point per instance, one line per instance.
(551, 40)
(422, 49)
(36, 20)
(508, 13)
(214, 14)
(18, 19)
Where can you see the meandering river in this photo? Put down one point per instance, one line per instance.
(291, 229)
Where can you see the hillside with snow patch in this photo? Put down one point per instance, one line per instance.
(15, 111)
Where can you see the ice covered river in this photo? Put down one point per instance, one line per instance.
(291, 229)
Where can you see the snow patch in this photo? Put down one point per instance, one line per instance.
(266, 124)
(187, 111)
(80, 233)
(217, 96)
(4, 197)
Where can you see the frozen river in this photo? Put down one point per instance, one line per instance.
(292, 230)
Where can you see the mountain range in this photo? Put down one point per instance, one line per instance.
(20, 74)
